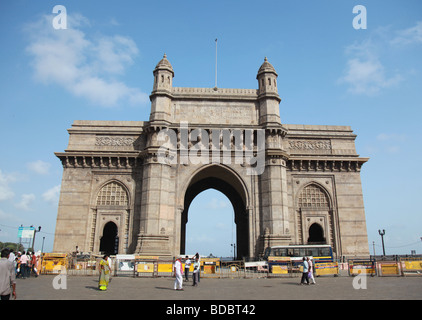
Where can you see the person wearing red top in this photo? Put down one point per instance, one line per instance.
(34, 264)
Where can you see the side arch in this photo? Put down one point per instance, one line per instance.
(316, 215)
(110, 203)
(109, 239)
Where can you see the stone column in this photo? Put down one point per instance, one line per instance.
(155, 211)
(273, 187)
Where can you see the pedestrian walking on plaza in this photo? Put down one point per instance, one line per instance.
(18, 266)
(311, 271)
(178, 272)
(7, 276)
(196, 267)
(305, 272)
(24, 260)
(104, 274)
(188, 262)
(199, 262)
(34, 260)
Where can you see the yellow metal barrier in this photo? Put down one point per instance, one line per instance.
(411, 266)
(362, 267)
(145, 267)
(280, 269)
(388, 268)
(326, 268)
(280, 265)
(165, 267)
(53, 262)
(210, 265)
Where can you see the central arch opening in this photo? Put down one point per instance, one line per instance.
(211, 229)
(226, 182)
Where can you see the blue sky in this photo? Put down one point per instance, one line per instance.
(100, 68)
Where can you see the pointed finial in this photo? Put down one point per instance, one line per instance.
(265, 59)
(165, 55)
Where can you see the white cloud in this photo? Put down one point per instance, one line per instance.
(412, 35)
(26, 201)
(39, 167)
(367, 75)
(114, 53)
(52, 195)
(83, 66)
(364, 72)
(6, 192)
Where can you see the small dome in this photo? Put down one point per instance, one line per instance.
(266, 67)
(164, 64)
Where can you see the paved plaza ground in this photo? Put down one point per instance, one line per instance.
(128, 288)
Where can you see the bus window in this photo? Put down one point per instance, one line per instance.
(279, 252)
(309, 252)
(325, 252)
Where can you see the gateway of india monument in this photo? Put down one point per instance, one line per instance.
(127, 185)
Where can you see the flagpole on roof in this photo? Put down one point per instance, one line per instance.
(215, 87)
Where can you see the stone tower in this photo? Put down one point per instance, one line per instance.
(161, 92)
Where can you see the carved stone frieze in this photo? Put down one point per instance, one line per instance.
(310, 146)
(114, 141)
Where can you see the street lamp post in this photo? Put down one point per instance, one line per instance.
(42, 247)
(33, 240)
(382, 240)
(234, 250)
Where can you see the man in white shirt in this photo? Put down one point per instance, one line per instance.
(178, 283)
(187, 267)
(311, 271)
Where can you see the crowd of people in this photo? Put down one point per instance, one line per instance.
(178, 271)
(16, 265)
(26, 263)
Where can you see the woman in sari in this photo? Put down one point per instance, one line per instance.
(104, 273)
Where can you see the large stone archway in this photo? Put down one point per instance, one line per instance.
(232, 140)
(225, 181)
